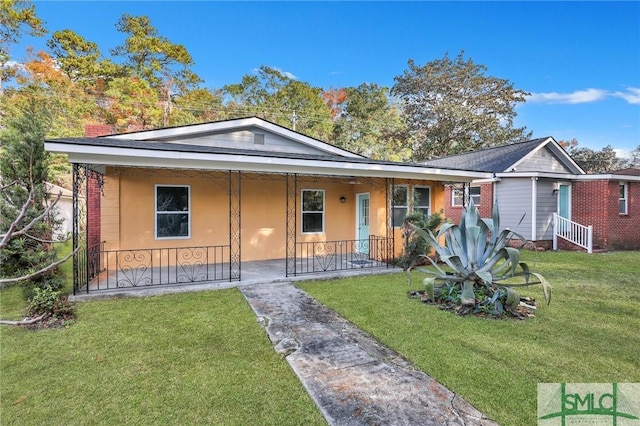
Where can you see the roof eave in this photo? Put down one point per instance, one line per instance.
(117, 156)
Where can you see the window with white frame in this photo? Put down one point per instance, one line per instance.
(400, 203)
(312, 211)
(457, 196)
(422, 200)
(622, 199)
(173, 211)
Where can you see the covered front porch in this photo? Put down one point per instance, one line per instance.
(253, 272)
(195, 204)
(354, 227)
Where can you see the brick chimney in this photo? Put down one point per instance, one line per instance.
(93, 195)
(95, 130)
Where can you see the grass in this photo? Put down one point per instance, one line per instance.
(589, 333)
(196, 358)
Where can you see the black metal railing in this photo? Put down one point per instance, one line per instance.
(323, 256)
(117, 269)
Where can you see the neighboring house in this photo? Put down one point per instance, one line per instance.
(536, 179)
(193, 203)
(64, 209)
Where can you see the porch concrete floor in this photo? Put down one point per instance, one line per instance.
(252, 272)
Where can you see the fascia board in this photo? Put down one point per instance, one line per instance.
(621, 178)
(576, 177)
(232, 125)
(566, 176)
(187, 160)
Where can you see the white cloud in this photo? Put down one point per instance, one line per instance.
(12, 64)
(577, 97)
(632, 95)
(622, 153)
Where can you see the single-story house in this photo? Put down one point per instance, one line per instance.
(194, 203)
(64, 208)
(544, 195)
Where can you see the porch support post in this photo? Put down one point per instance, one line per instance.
(291, 225)
(391, 243)
(235, 179)
(80, 265)
(466, 194)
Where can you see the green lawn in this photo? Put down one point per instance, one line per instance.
(589, 333)
(198, 358)
(202, 358)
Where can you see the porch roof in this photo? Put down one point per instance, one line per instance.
(108, 151)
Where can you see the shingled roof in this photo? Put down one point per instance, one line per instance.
(497, 160)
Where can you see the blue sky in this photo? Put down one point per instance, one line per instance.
(579, 60)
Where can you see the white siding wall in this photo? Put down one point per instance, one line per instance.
(514, 201)
(547, 205)
(245, 139)
(542, 161)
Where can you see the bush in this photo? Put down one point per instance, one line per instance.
(415, 247)
(53, 281)
(50, 303)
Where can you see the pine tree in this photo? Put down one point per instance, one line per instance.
(23, 174)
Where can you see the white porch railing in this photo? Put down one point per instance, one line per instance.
(573, 232)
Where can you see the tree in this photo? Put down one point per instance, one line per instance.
(156, 60)
(592, 161)
(81, 61)
(335, 98)
(633, 160)
(451, 107)
(17, 17)
(197, 106)
(276, 97)
(26, 250)
(368, 124)
(131, 105)
(635, 157)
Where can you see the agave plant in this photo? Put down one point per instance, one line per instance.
(479, 257)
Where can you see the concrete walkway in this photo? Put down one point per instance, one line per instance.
(351, 377)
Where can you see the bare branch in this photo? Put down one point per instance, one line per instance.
(48, 268)
(24, 321)
(11, 233)
(41, 240)
(8, 185)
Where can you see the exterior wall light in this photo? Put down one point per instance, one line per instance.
(343, 199)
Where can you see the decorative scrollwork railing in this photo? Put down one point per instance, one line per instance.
(113, 269)
(339, 255)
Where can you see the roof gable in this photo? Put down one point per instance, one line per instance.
(251, 133)
(542, 154)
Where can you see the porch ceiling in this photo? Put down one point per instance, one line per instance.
(114, 152)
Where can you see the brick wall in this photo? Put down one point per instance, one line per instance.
(596, 203)
(94, 191)
(95, 130)
(454, 213)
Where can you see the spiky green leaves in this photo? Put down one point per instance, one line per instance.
(478, 255)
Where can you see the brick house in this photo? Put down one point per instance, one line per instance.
(536, 181)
